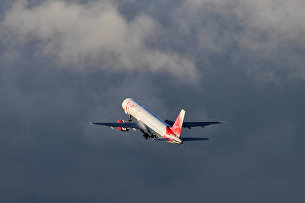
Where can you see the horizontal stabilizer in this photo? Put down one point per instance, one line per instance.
(193, 139)
(160, 139)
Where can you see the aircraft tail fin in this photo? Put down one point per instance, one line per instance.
(176, 128)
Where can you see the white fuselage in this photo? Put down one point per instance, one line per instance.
(150, 120)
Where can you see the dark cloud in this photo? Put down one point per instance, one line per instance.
(49, 152)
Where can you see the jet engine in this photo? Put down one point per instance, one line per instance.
(121, 128)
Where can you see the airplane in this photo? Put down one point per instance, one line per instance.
(152, 126)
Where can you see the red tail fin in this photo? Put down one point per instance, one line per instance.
(176, 128)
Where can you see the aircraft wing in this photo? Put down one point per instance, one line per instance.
(196, 124)
(122, 125)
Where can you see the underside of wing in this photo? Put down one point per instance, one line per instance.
(119, 125)
(196, 124)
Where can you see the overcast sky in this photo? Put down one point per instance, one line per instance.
(65, 63)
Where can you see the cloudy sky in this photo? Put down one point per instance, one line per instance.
(64, 63)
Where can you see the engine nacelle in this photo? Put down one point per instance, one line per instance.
(121, 128)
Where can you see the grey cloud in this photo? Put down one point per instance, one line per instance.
(265, 31)
(92, 34)
(281, 19)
